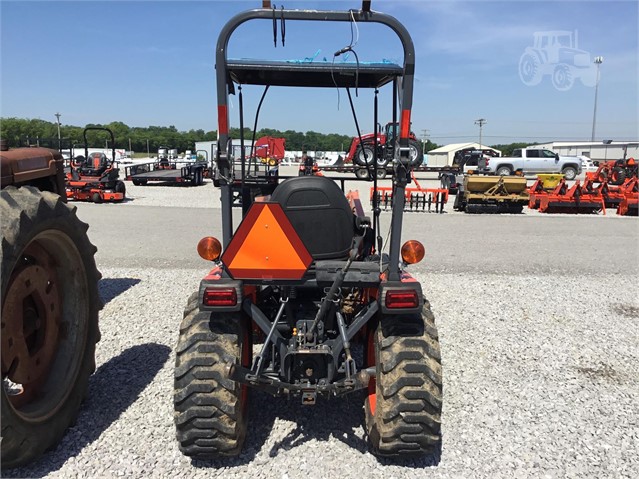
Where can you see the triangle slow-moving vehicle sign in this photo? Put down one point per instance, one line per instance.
(266, 246)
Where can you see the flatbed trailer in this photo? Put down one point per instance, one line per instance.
(362, 172)
(188, 174)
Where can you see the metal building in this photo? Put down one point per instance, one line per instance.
(444, 155)
(595, 150)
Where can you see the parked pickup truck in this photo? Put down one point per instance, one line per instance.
(533, 161)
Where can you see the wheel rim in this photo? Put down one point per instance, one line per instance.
(365, 155)
(413, 153)
(30, 326)
(42, 326)
(361, 173)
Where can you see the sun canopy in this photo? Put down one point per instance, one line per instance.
(313, 74)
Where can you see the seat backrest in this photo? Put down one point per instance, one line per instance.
(320, 214)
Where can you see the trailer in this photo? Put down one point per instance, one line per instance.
(363, 173)
(167, 173)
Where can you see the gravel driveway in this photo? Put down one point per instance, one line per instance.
(540, 355)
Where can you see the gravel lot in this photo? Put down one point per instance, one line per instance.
(538, 318)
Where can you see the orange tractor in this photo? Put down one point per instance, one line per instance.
(305, 276)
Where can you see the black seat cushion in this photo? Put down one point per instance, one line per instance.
(320, 214)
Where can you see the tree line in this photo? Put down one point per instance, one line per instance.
(24, 132)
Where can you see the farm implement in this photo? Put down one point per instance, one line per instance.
(305, 277)
(491, 194)
(415, 199)
(94, 177)
(552, 194)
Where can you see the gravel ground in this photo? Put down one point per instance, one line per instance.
(541, 374)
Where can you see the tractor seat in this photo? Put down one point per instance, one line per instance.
(320, 214)
(96, 164)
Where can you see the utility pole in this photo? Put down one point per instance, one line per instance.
(147, 148)
(481, 122)
(57, 116)
(425, 136)
(598, 62)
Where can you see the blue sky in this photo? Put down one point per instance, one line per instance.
(152, 63)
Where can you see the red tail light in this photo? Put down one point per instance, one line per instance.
(220, 297)
(402, 299)
(487, 162)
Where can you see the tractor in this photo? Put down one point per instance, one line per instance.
(362, 147)
(303, 299)
(50, 305)
(556, 53)
(94, 177)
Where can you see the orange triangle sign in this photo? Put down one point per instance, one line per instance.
(266, 246)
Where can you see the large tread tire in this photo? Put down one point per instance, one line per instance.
(367, 151)
(43, 237)
(403, 419)
(211, 410)
(417, 154)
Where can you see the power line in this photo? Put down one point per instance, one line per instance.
(481, 122)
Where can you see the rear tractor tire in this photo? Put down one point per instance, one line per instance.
(50, 306)
(416, 153)
(404, 403)
(364, 155)
(211, 410)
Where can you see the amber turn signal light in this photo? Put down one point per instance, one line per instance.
(209, 248)
(413, 252)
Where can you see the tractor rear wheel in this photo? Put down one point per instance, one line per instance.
(364, 155)
(416, 153)
(404, 403)
(211, 410)
(50, 306)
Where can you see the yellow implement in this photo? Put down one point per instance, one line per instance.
(550, 181)
(493, 194)
(495, 185)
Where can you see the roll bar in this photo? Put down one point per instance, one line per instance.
(221, 60)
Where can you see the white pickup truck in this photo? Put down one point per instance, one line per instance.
(532, 161)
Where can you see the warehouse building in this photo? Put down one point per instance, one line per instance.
(444, 155)
(595, 150)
